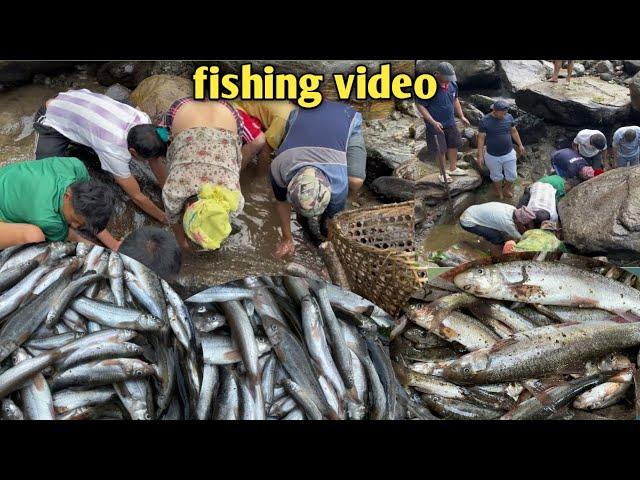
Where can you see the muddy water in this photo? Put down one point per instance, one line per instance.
(248, 251)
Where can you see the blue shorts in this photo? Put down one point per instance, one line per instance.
(502, 167)
(628, 161)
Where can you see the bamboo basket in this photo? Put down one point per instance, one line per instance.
(376, 248)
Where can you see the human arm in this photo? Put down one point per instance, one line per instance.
(516, 138)
(108, 240)
(74, 236)
(181, 238)
(286, 245)
(458, 109)
(427, 116)
(132, 189)
(481, 138)
(159, 170)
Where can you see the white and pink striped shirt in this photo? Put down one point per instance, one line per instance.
(98, 122)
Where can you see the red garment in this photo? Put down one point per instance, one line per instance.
(252, 127)
(597, 171)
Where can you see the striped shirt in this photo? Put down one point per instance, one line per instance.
(98, 122)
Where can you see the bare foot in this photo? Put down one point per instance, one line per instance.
(553, 80)
(508, 194)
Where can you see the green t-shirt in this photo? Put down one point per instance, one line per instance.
(32, 192)
(557, 182)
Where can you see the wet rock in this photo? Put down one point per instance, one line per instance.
(603, 214)
(472, 159)
(519, 74)
(604, 66)
(588, 101)
(390, 143)
(606, 77)
(470, 73)
(155, 94)
(462, 202)
(473, 114)
(415, 169)
(394, 189)
(129, 74)
(118, 92)
(180, 68)
(407, 107)
(634, 89)
(431, 187)
(14, 73)
(631, 66)
(578, 70)
(532, 129)
(471, 136)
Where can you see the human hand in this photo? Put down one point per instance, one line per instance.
(285, 247)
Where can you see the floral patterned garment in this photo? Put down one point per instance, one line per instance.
(197, 156)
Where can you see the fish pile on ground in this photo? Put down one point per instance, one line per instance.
(86, 333)
(305, 350)
(525, 340)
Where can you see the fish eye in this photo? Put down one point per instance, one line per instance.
(274, 327)
(480, 271)
(466, 370)
(147, 416)
(138, 373)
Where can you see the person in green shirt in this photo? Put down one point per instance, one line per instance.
(50, 200)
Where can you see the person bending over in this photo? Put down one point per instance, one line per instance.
(155, 248)
(51, 200)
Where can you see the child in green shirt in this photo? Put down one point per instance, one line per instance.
(49, 200)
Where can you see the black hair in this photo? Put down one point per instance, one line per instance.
(598, 140)
(629, 134)
(145, 140)
(541, 216)
(94, 201)
(155, 248)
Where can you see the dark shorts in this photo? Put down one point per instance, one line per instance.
(49, 142)
(491, 235)
(449, 139)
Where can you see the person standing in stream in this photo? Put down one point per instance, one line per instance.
(439, 112)
(498, 130)
(114, 131)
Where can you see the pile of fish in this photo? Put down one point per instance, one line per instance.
(292, 348)
(86, 333)
(524, 339)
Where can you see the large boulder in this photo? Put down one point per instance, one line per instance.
(390, 143)
(634, 89)
(532, 129)
(631, 67)
(430, 187)
(155, 94)
(129, 74)
(519, 74)
(17, 73)
(603, 214)
(118, 92)
(588, 101)
(470, 73)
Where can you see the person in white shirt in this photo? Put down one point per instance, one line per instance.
(116, 132)
(498, 222)
(592, 145)
(626, 146)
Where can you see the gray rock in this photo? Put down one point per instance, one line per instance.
(604, 66)
(129, 74)
(578, 70)
(471, 136)
(631, 66)
(430, 187)
(394, 189)
(472, 113)
(470, 73)
(532, 129)
(603, 214)
(408, 108)
(389, 143)
(519, 74)
(634, 89)
(118, 92)
(606, 77)
(589, 101)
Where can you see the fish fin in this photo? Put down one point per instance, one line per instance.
(625, 317)
(500, 344)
